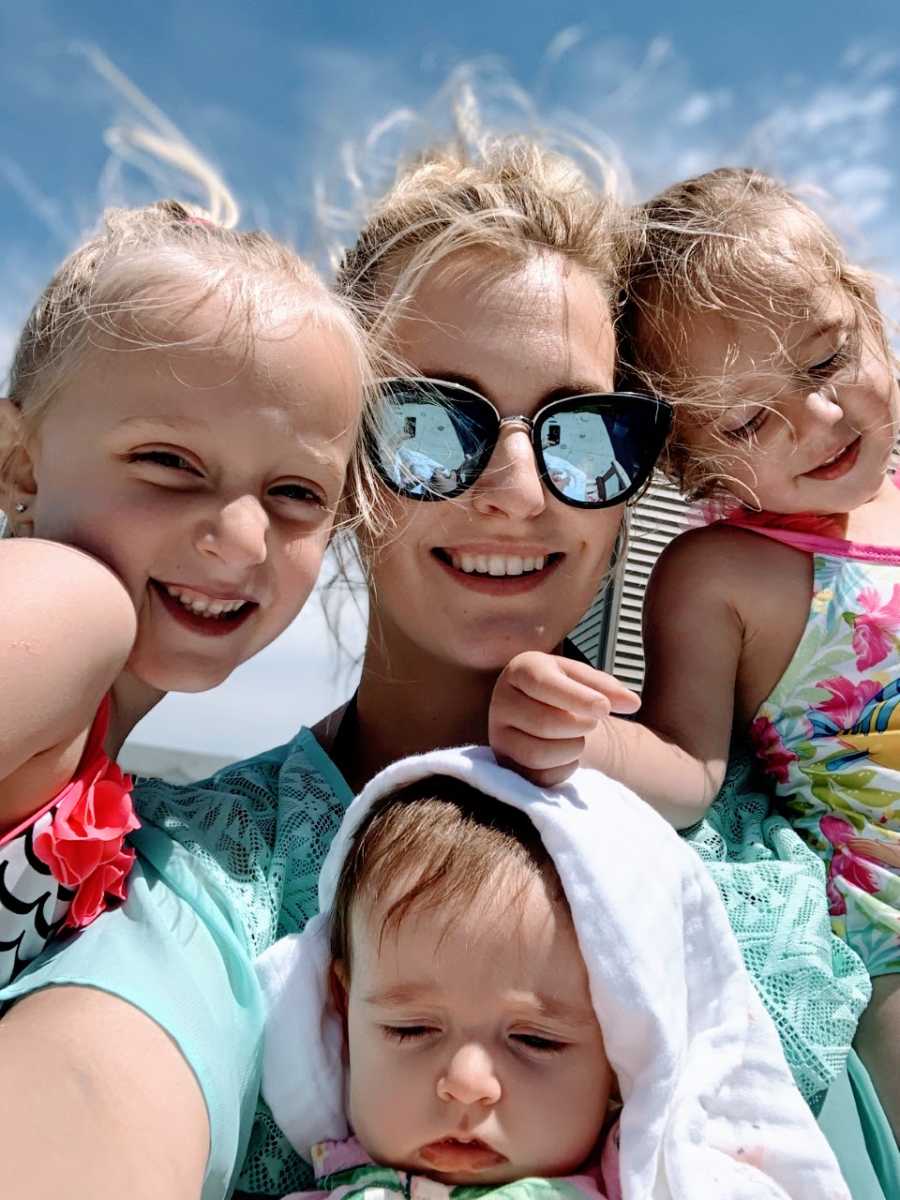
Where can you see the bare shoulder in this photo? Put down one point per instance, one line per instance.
(730, 566)
(69, 626)
(52, 591)
(734, 595)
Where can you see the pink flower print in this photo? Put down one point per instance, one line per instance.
(873, 631)
(770, 749)
(847, 699)
(844, 863)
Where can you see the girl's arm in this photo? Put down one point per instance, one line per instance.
(549, 716)
(68, 629)
(693, 636)
(104, 1103)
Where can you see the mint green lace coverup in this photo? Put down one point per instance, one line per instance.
(242, 851)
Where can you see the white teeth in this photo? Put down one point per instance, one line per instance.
(203, 606)
(497, 565)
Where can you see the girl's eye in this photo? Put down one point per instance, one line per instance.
(829, 365)
(164, 458)
(298, 493)
(536, 1041)
(745, 431)
(407, 1033)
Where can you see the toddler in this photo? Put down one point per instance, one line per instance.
(781, 617)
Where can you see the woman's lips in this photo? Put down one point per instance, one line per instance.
(451, 1155)
(838, 466)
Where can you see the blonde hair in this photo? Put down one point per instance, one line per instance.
(508, 196)
(131, 286)
(733, 242)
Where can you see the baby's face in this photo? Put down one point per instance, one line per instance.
(475, 1054)
(803, 411)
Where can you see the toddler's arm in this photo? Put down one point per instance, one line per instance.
(68, 629)
(545, 721)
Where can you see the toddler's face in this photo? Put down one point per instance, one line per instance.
(475, 1054)
(803, 411)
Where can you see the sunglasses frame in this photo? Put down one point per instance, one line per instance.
(391, 387)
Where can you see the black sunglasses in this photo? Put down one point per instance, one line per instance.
(430, 440)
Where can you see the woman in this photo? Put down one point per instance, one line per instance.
(497, 279)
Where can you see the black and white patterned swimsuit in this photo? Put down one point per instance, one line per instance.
(67, 862)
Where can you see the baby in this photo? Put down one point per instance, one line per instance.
(482, 1003)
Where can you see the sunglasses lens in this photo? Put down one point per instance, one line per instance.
(427, 445)
(597, 453)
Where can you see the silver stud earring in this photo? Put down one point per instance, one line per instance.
(20, 506)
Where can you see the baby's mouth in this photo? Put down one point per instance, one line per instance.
(452, 1154)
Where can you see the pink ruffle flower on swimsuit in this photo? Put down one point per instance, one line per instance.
(84, 846)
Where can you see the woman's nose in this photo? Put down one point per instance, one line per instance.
(510, 485)
(236, 534)
(470, 1077)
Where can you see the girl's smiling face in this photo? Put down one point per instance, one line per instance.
(521, 335)
(801, 413)
(207, 479)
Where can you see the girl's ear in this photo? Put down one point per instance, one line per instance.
(18, 487)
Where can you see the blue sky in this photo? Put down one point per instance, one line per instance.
(282, 96)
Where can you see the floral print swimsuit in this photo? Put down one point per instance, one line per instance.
(829, 734)
(63, 865)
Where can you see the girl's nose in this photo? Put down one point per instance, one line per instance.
(236, 534)
(823, 407)
(470, 1077)
(510, 485)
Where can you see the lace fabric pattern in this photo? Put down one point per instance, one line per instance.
(260, 830)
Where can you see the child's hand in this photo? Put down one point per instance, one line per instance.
(543, 708)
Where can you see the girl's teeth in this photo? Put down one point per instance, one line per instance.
(200, 606)
(496, 564)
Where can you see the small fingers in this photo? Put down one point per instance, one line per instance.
(573, 686)
(524, 750)
(515, 710)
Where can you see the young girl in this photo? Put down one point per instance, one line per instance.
(481, 992)
(182, 410)
(781, 618)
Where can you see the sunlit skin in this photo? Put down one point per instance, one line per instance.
(475, 1055)
(521, 336)
(790, 397)
(214, 471)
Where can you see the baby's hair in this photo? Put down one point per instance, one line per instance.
(737, 243)
(438, 845)
(131, 286)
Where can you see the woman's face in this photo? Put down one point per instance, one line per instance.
(522, 336)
